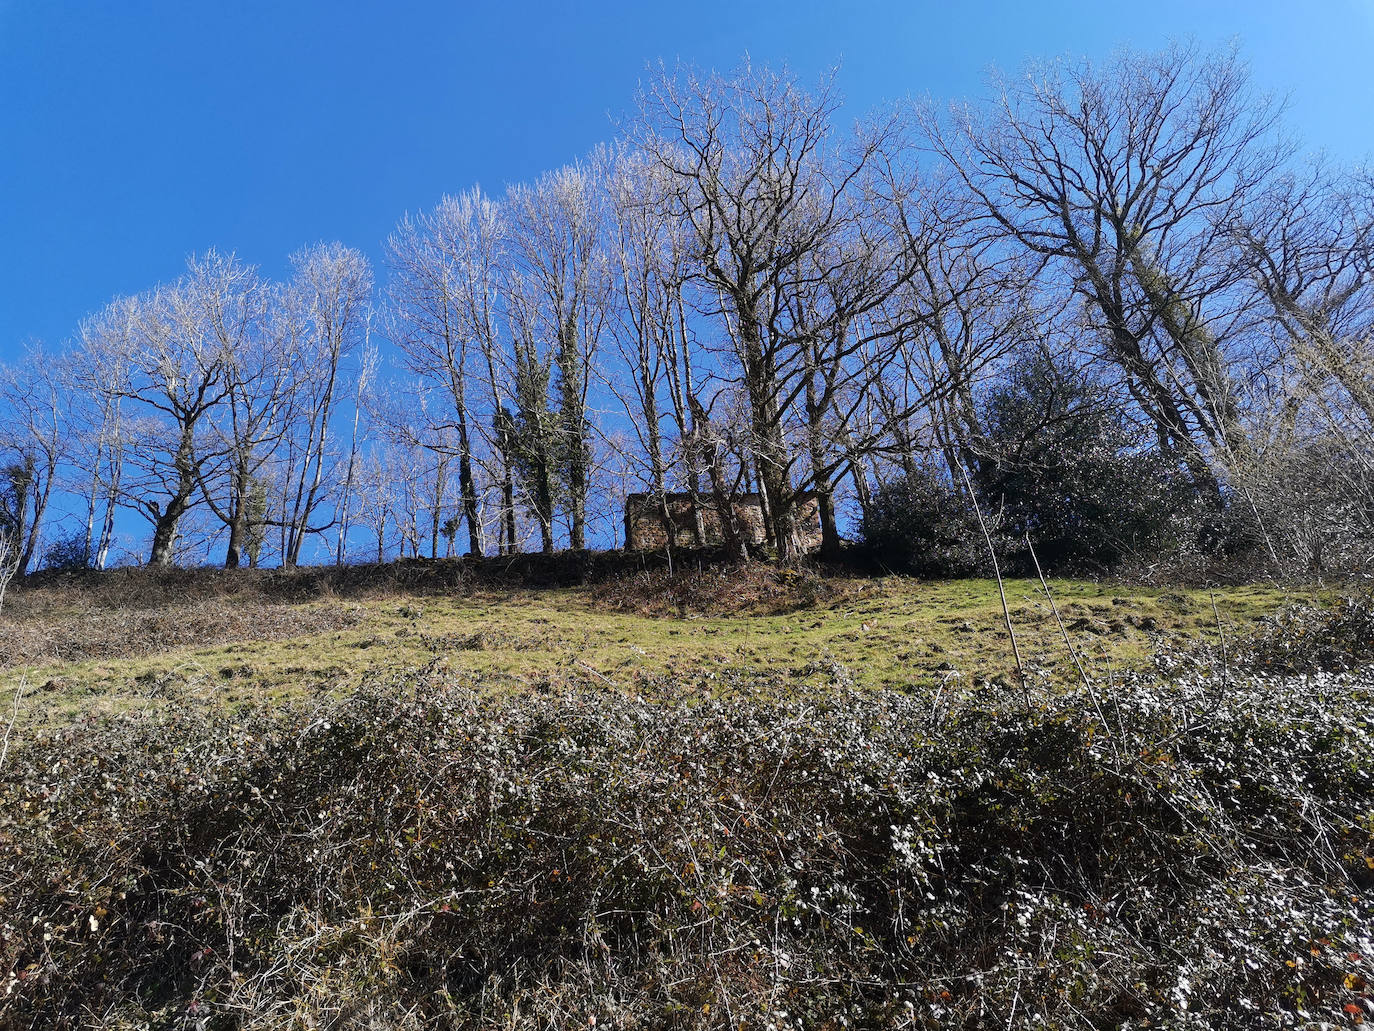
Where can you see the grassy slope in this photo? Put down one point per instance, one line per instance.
(886, 633)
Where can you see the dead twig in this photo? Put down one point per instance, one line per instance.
(1001, 588)
(1063, 631)
(14, 717)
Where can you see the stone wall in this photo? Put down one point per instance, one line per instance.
(646, 529)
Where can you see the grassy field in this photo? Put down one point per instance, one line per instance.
(75, 656)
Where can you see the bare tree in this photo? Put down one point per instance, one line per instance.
(560, 264)
(438, 301)
(9, 553)
(152, 353)
(1308, 249)
(376, 492)
(775, 203)
(972, 303)
(330, 289)
(35, 436)
(475, 239)
(367, 374)
(97, 405)
(1127, 178)
(644, 322)
(226, 303)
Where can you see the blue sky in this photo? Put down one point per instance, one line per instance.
(134, 133)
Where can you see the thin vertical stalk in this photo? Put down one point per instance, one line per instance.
(1001, 588)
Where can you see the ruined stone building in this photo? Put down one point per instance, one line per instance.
(647, 529)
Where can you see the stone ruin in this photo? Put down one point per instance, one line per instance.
(647, 529)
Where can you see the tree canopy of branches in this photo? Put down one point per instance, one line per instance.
(1105, 275)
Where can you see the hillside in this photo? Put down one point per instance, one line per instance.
(140, 639)
(417, 797)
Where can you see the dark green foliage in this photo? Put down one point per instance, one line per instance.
(16, 485)
(1056, 463)
(1064, 466)
(533, 433)
(574, 446)
(68, 552)
(923, 526)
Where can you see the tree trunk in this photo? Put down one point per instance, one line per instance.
(164, 538)
(830, 532)
(238, 511)
(737, 550)
(820, 475)
(40, 507)
(468, 488)
(577, 488)
(543, 505)
(508, 502)
(770, 448)
(233, 554)
(858, 473)
(165, 526)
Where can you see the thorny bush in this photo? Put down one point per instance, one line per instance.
(1191, 853)
(1328, 638)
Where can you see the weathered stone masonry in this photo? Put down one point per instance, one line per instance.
(646, 529)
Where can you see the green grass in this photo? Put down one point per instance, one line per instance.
(890, 633)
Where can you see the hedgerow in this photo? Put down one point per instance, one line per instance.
(1186, 852)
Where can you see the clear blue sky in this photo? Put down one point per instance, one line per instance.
(134, 133)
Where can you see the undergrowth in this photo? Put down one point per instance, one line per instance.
(1189, 852)
(1333, 637)
(757, 589)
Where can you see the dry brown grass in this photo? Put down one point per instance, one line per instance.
(40, 639)
(757, 589)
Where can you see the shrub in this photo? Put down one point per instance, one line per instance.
(923, 526)
(419, 855)
(67, 553)
(1065, 467)
(1301, 639)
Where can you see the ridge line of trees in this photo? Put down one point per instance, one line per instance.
(1115, 296)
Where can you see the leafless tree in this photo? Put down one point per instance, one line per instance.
(1308, 250)
(1308, 247)
(1125, 178)
(35, 438)
(153, 353)
(225, 302)
(439, 301)
(560, 272)
(972, 303)
(376, 493)
(362, 386)
(653, 379)
(776, 206)
(644, 316)
(330, 291)
(97, 406)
